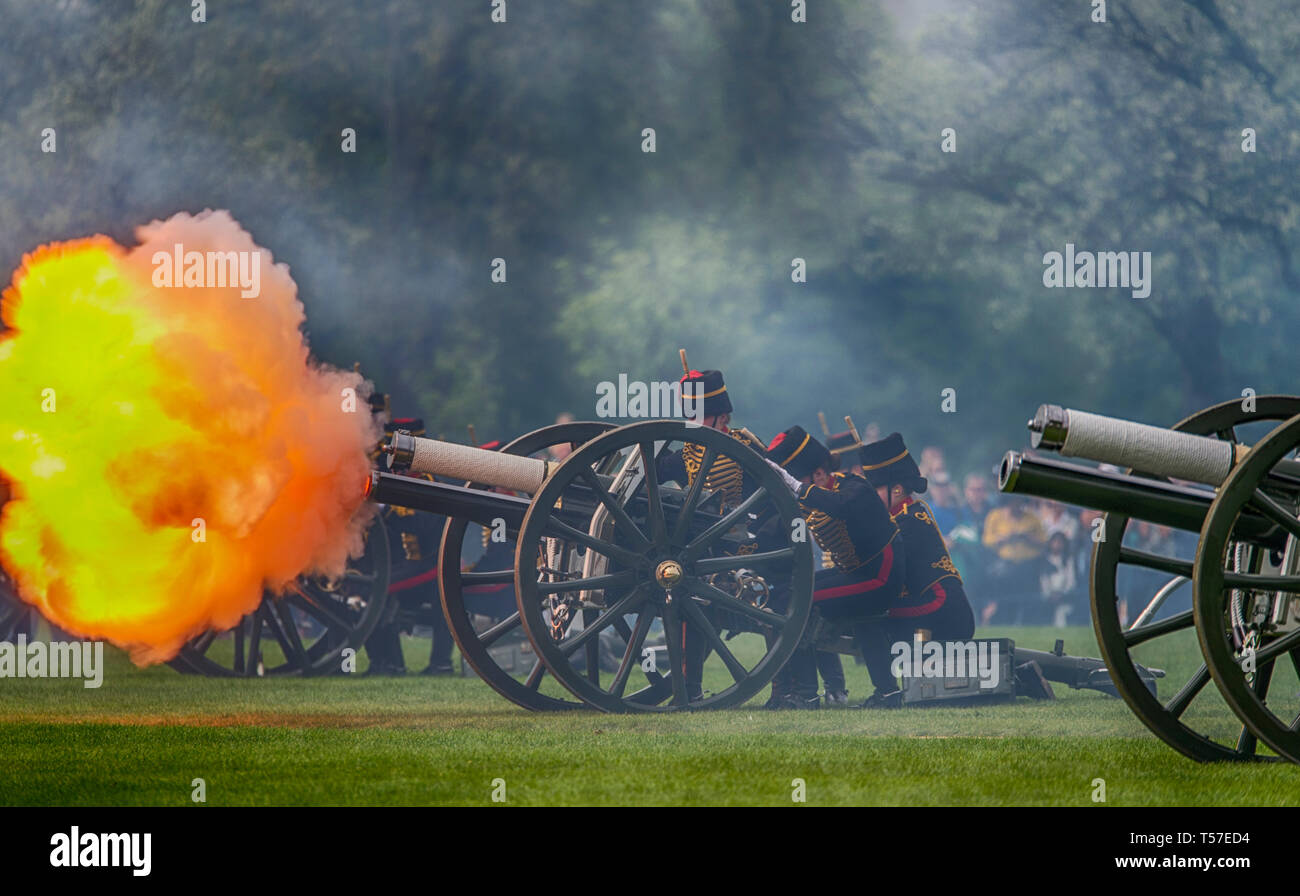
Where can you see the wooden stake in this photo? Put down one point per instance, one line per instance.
(473, 437)
(686, 368)
(826, 430)
(853, 429)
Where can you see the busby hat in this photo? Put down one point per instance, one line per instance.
(709, 386)
(888, 462)
(799, 453)
(842, 443)
(413, 425)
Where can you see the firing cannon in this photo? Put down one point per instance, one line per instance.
(1228, 475)
(693, 595)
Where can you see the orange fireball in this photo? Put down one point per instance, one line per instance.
(171, 447)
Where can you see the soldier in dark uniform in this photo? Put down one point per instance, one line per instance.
(935, 600)
(843, 447)
(724, 475)
(848, 522)
(413, 539)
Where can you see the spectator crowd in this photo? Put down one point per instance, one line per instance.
(1025, 561)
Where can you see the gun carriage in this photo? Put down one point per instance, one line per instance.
(1242, 502)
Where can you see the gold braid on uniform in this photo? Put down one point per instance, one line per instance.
(724, 476)
(411, 545)
(832, 535)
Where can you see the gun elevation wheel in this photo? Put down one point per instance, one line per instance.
(480, 603)
(1248, 620)
(305, 630)
(1184, 713)
(636, 560)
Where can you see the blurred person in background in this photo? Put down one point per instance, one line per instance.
(966, 538)
(1017, 538)
(1058, 582)
(944, 502)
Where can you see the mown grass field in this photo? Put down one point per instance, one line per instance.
(143, 737)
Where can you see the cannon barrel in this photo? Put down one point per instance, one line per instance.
(1163, 503)
(406, 452)
(1151, 449)
(485, 507)
(446, 500)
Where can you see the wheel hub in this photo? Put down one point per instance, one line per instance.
(668, 573)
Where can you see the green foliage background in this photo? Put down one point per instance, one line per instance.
(775, 140)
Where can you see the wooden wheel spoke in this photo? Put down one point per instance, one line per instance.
(1289, 641)
(724, 525)
(534, 680)
(493, 634)
(701, 623)
(1275, 512)
(621, 606)
(201, 644)
(1246, 742)
(1188, 692)
(676, 655)
(493, 577)
(1260, 582)
(306, 602)
(722, 599)
(563, 530)
(709, 565)
(1134, 557)
(619, 579)
(286, 632)
(683, 525)
(632, 655)
(1176, 622)
(255, 622)
(654, 500)
(616, 510)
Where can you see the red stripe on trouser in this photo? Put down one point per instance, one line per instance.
(414, 581)
(924, 609)
(886, 564)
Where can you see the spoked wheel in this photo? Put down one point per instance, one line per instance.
(1248, 620)
(480, 606)
(1184, 713)
(637, 556)
(305, 630)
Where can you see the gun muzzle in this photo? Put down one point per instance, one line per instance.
(407, 453)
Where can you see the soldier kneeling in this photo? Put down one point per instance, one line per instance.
(850, 523)
(932, 597)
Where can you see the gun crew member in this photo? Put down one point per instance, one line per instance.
(933, 599)
(848, 522)
(706, 400)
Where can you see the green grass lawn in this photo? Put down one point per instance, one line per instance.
(145, 735)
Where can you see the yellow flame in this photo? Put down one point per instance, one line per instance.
(170, 451)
